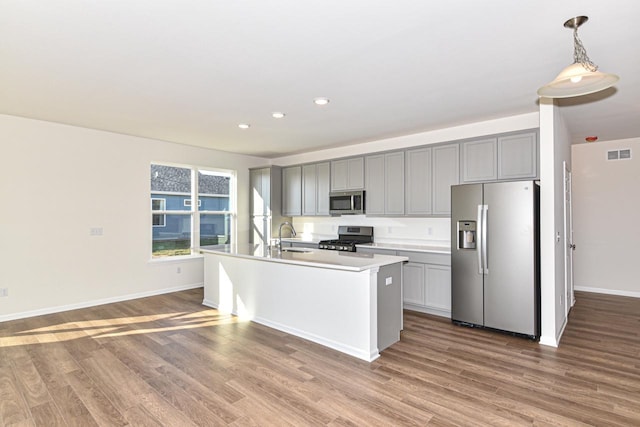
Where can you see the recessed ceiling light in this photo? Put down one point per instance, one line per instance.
(244, 125)
(277, 115)
(321, 101)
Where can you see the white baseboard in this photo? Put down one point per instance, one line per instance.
(61, 308)
(343, 348)
(428, 310)
(633, 294)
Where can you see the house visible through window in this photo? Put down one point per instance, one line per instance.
(178, 227)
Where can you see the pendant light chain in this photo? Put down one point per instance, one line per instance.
(580, 53)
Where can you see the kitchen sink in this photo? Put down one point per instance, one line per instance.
(302, 250)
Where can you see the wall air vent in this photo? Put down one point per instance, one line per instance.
(623, 154)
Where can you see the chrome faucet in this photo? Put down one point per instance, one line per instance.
(293, 233)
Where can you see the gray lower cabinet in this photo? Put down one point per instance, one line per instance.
(446, 172)
(426, 280)
(315, 189)
(347, 174)
(500, 158)
(427, 283)
(384, 183)
(292, 191)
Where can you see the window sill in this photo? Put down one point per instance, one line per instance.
(175, 259)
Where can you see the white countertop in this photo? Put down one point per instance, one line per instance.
(337, 260)
(408, 247)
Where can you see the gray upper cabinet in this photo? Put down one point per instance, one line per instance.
(315, 189)
(265, 203)
(418, 183)
(500, 158)
(309, 189)
(347, 174)
(375, 185)
(446, 172)
(394, 183)
(260, 191)
(479, 160)
(323, 188)
(385, 184)
(518, 156)
(292, 191)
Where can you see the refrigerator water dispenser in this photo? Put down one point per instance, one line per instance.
(466, 234)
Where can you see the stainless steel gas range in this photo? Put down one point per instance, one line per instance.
(348, 237)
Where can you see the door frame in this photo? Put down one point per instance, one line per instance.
(569, 246)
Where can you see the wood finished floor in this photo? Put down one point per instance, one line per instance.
(167, 360)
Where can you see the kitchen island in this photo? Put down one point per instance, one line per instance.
(350, 302)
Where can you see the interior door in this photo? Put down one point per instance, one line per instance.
(569, 246)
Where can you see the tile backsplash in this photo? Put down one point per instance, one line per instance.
(425, 231)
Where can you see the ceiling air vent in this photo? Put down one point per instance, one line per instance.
(619, 154)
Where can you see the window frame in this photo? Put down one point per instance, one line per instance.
(195, 212)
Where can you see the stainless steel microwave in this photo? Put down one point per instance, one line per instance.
(346, 202)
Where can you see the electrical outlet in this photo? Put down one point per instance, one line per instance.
(179, 270)
(4, 292)
(95, 231)
(389, 230)
(429, 231)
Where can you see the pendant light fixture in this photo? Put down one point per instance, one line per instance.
(580, 78)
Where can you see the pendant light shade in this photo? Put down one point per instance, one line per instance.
(575, 80)
(580, 78)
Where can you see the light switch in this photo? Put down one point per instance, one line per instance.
(388, 281)
(95, 231)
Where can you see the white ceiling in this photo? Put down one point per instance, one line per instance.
(191, 71)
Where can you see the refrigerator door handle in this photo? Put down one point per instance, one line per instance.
(479, 249)
(485, 258)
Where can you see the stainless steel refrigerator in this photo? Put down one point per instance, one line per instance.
(495, 262)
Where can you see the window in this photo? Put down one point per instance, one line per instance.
(158, 220)
(179, 228)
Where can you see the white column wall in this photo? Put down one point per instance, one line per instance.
(555, 147)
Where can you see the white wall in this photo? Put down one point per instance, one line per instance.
(555, 147)
(606, 202)
(58, 181)
(429, 231)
